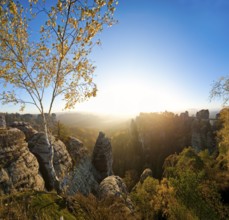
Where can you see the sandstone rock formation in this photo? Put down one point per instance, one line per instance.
(2, 121)
(102, 157)
(147, 172)
(62, 161)
(25, 128)
(75, 149)
(81, 178)
(19, 169)
(203, 114)
(202, 135)
(113, 186)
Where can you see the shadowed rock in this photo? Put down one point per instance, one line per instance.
(203, 114)
(2, 121)
(202, 135)
(102, 157)
(62, 161)
(75, 149)
(81, 178)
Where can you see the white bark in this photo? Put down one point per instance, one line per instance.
(54, 178)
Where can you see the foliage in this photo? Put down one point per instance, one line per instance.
(39, 65)
(34, 205)
(220, 89)
(52, 61)
(223, 134)
(88, 207)
(130, 178)
(61, 131)
(142, 194)
(194, 187)
(45, 206)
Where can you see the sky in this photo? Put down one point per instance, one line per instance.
(162, 55)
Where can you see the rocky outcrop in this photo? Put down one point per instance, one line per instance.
(19, 169)
(114, 186)
(76, 149)
(62, 161)
(81, 178)
(202, 135)
(2, 121)
(25, 127)
(147, 172)
(102, 157)
(203, 114)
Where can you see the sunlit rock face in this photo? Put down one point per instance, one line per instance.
(81, 177)
(19, 169)
(114, 186)
(202, 132)
(102, 157)
(62, 161)
(25, 127)
(147, 172)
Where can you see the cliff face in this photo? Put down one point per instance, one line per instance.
(102, 157)
(81, 178)
(19, 169)
(202, 132)
(62, 161)
(25, 127)
(21, 162)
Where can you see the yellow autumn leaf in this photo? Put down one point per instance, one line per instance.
(13, 8)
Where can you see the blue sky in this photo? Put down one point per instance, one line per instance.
(162, 55)
(176, 49)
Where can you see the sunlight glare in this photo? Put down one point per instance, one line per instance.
(131, 99)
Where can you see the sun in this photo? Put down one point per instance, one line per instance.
(131, 98)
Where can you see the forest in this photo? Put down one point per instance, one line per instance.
(185, 159)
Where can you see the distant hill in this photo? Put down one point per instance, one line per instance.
(90, 120)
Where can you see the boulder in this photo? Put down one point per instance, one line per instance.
(19, 169)
(114, 186)
(25, 128)
(62, 161)
(81, 178)
(102, 157)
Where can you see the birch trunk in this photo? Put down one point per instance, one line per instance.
(51, 169)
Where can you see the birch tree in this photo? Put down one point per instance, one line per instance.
(44, 48)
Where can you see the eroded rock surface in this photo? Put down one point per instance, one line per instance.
(2, 121)
(114, 186)
(19, 169)
(147, 172)
(81, 178)
(102, 157)
(202, 135)
(62, 161)
(203, 114)
(25, 127)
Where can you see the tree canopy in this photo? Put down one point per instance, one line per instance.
(44, 48)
